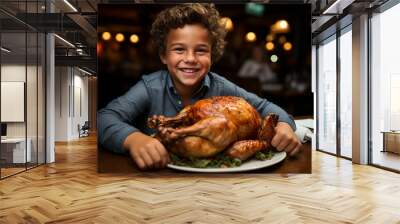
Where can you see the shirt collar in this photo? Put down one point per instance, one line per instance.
(204, 85)
(170, 85)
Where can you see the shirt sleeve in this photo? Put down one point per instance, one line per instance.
(263, 106)
(115, 121)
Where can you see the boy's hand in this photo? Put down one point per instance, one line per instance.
(147, 152)
(285, 139)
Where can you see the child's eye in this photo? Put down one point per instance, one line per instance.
(178, 50)
(202, 51)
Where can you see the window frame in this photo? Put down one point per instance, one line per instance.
(346, 26)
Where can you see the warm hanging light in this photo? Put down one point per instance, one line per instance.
(134, 38)
(269, 46)
(287, 46)
(281, 26)
(251, 37)
(106, 36)
(119, 37)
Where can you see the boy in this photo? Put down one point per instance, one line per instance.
(189, 38)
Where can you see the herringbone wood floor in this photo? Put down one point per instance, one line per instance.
(71, 191)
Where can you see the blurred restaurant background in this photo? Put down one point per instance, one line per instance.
(268, 51)
(333, 60)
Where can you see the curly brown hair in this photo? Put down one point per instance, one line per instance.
(190, 13)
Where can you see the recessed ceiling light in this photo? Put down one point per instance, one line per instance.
(5, 49)
(70, 5)
(65, 41)
(84, 71)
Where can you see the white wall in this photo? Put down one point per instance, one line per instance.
(62, 81)
(12, 73)
(71, 102)
(34, 124)
(81, 113)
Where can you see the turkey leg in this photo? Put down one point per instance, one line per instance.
(183, 118)
(245, 149)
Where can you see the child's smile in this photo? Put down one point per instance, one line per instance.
(187, 56)
(189, 72)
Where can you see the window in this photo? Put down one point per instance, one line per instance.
(22, 76)
(346, 93)
(385, 85)
(327, 96)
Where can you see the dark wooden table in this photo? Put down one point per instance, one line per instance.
(109, 162)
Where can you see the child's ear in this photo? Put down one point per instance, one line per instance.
(162, 57)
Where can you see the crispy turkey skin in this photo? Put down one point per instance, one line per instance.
(213, 125)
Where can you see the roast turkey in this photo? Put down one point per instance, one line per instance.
(213, 125)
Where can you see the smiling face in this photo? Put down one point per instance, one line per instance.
(187, 56)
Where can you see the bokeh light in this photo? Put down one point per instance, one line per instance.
(119, 37)
(287, 46)
(274, 58)
(106, 36)
(251, 37)
(269, 46)
(283, 24)
(280, 26)
(134, 38)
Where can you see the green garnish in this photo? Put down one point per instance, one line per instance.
(219, 161)
(264, 155)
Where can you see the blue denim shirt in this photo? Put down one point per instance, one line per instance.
(155, 94)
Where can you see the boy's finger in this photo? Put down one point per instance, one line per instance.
(147, 159)
(162, 157)
(291, 147)
(155, 157)
(276, 140)
(140, 163)
(163, 153)
(283, 145)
